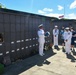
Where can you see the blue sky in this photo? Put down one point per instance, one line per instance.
(52, 8)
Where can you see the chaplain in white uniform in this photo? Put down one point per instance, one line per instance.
(67, 40)
(41, 39)
(55, 36)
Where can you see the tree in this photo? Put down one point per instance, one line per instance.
(2, 6)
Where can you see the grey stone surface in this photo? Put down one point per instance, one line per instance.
(57, 63)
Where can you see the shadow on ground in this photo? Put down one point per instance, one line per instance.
(23, 65)
(43, 62)
(74, 52)
(69, 56)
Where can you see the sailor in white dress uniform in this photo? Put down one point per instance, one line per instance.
(55, 36)
(67, 40)
(41, 39)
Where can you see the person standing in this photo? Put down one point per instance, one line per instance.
(41, 39)
(73, 39)
(62, 37)
(67, 39)
(55, 37)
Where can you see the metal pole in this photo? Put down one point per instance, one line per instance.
(64, 10)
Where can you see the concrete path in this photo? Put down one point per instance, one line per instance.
(52, 63)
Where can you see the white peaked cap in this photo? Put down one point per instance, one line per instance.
(40, 25)
(67, 28)
(56, 26)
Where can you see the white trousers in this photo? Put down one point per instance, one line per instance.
(55, 40)
(41, 47)
(67, 46)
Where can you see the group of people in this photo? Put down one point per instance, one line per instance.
(68, 37)
(67, 34)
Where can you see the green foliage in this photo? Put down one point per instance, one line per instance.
(2, 6)
(65, 19)
(1, 68)
(48, 47)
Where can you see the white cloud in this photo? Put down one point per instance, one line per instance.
(41, 12)
(48, 9)
(73, 5)
(51, 14)
(45, 10)
(71, 16)
(60, 7)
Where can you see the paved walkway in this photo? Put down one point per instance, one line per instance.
(52, 63)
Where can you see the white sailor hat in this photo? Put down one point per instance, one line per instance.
(40, 25)
(56, 26)
(67, 28)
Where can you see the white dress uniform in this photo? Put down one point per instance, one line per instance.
(55, 36)
(41, 41)
(67, 36)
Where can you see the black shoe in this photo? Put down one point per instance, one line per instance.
(55, 47)
(58, 48)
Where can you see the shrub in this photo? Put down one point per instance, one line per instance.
(1, 68)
